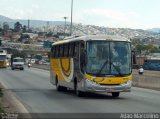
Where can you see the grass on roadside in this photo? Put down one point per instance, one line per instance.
(1, 110)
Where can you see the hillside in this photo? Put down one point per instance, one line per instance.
(33, 23)
(58, 26)
(5, 19)
(156, 30)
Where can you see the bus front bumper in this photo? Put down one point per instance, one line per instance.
(91, 86)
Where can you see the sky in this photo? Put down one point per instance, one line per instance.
(136, 14)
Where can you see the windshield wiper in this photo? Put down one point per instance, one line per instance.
(117, 69)
(102, 67)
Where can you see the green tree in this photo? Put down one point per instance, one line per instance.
(145, 50)
(5, 27)
(17, 27)
(150, 48)
(142, 49)
(49, 34)
(139, 49)
(24, 28)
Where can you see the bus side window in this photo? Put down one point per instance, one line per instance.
(57, 51)
(76, 50)
(82, 57)
(71, 49)
(66, 50)
(54, 53)
(61, 51)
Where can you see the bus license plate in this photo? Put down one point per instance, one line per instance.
(109, 89)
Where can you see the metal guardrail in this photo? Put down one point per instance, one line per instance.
(41, 66)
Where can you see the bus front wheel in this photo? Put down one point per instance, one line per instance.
(78, 93)
(115, 94)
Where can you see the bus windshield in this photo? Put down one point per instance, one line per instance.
(18, 60)
(3, 57)
(108, 58)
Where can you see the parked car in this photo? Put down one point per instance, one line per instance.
(33, 61)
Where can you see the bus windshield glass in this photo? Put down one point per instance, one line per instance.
(18, 60)
(3, 57)
(108, 58)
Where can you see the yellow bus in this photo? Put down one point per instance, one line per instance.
(92, 63)
(3, 59)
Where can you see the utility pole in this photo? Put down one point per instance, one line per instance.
(65, 24)
(28, 24)
(71, 17)
(47, 26)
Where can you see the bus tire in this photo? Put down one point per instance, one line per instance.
(60, 88)
(78, 93)
(115, 94)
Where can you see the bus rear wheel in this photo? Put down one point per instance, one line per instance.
(115, 94)
(60, 88)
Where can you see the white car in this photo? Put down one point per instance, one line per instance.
(33, 61)
(17, 63)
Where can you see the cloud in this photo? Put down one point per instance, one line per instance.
(35, 6)
(33, 11)
(111, 14)
(107, 17)
(99, 17)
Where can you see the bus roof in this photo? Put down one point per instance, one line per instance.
(92, 37)
(3, 52)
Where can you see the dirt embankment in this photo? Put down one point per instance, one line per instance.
(10, 107)
(6, 106)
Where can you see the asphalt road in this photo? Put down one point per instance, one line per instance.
(33, 89)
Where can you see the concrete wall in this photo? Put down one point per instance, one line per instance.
(41, 66)
(150, 79)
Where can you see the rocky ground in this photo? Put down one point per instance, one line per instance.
(10, 107)
(5, 105)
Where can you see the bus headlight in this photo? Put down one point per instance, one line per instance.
(92, 82)
(129, 83)
(7, 63)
